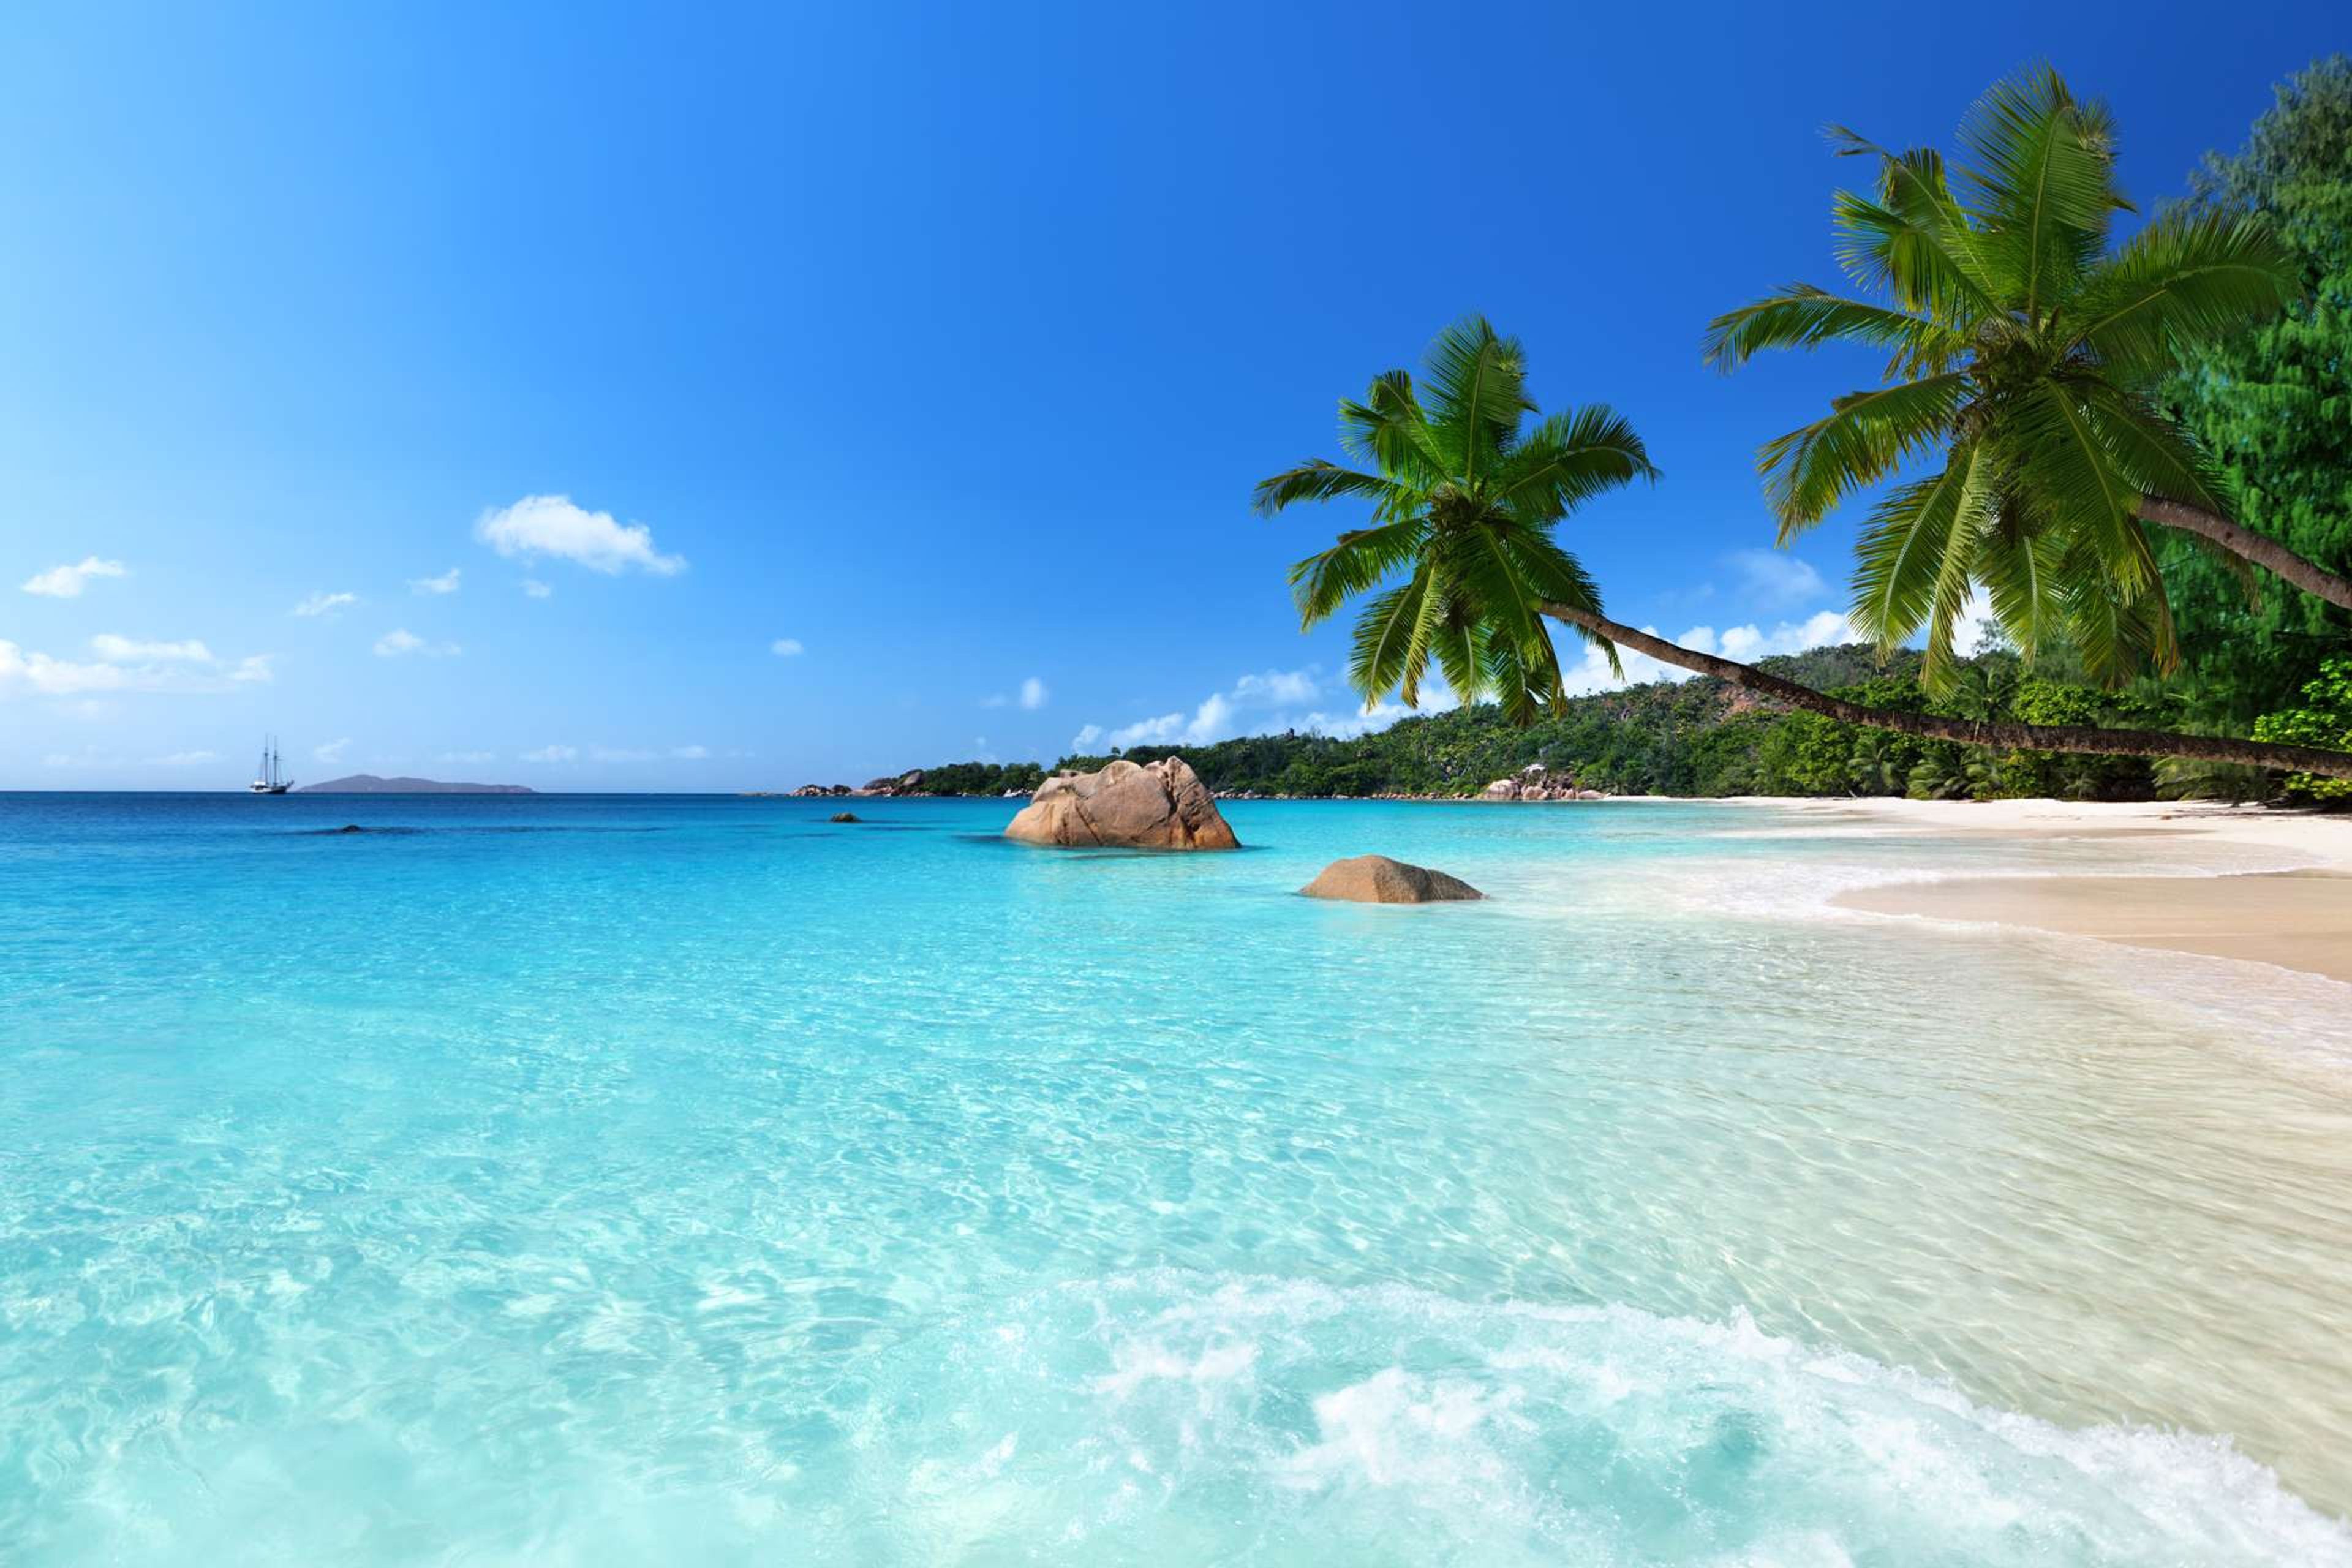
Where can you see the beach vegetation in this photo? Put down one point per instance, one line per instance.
(2022, 353)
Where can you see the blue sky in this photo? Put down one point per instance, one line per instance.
(941, 347)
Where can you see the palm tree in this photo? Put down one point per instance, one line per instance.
(1876, 765)
(2020, 350)
(1465, 493)
(1462, 567)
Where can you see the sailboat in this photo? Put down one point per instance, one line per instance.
(272, 779)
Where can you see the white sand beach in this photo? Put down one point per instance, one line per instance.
(2295, 912)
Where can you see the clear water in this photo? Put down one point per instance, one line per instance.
(628, 1180)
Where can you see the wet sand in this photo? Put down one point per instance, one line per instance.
(2297, 919)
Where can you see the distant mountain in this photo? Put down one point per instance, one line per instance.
(368, 784)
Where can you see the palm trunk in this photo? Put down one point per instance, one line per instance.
(1968, 731)
(2248, 545)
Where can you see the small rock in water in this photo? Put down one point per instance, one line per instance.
(842, 816)
(1377, 879)
(351, 827)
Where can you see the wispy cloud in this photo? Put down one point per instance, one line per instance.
(127, 664)
(67, 581)
(126, 650)
(552, 526)
(444, 583)
(468, 757)
(324, 604)
(785, 647)
(400, 642)
(331, 751)
(1265, 702)
(1032, 694)
(1776, 580)
(552, 754)
(534, 589)
(184, 760)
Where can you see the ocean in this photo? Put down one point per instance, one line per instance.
(639, 1179)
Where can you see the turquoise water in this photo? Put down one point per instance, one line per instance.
(584, 1180)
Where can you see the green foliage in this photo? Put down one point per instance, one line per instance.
(2020, 347)
(2324, 720)
(982, 778)
(1466, 487)
(2273, 406)
(1698, 737)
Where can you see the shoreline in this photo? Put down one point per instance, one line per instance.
(2294, 913)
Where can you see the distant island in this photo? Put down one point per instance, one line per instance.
(369, 784)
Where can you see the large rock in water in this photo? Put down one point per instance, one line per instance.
(1158, 806)
(1377, 879)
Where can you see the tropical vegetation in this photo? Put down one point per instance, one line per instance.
(2021, 355)
(2273, 406)
(2073, 391)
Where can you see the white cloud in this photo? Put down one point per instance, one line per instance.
(325, 604)
(689, 754)
(400, 641)
(1775, 580)
(125, 651)
(995, 700)
(1032, 694)
(552, 525)
(1277, 686)
(1975, 621)
(331, 751)
(140, 666)
(185, 759)
(67, 582)
(552, 754)
(469, 757)
(444, 583)
(785, 647)
(534, 588)
(1745, 643)
(1265, 702)
(618, 755)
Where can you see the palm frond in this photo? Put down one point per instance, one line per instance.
(2064, 458)
(1478, 392)
(2150, 451)
(1359, 562)
(1460, 643)
(1524, 679)
(2185, 280)
(1803, 317)
(1389, 430)
(1382, 649)
(1557, 577)
(2022, 570)
(1915, 555)
(2041, 171)
(1316, 480)
(1913, 238)
(1566, 459)
(1865, 436)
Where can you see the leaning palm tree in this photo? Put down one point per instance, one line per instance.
(1461, 569)
(1465, 493)
(2020, 349)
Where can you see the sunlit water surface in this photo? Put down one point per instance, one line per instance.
(624, 1180)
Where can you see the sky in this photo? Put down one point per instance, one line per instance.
(712, 398)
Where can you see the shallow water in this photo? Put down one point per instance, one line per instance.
(613, 1180)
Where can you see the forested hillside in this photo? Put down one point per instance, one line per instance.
(1697, 737)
